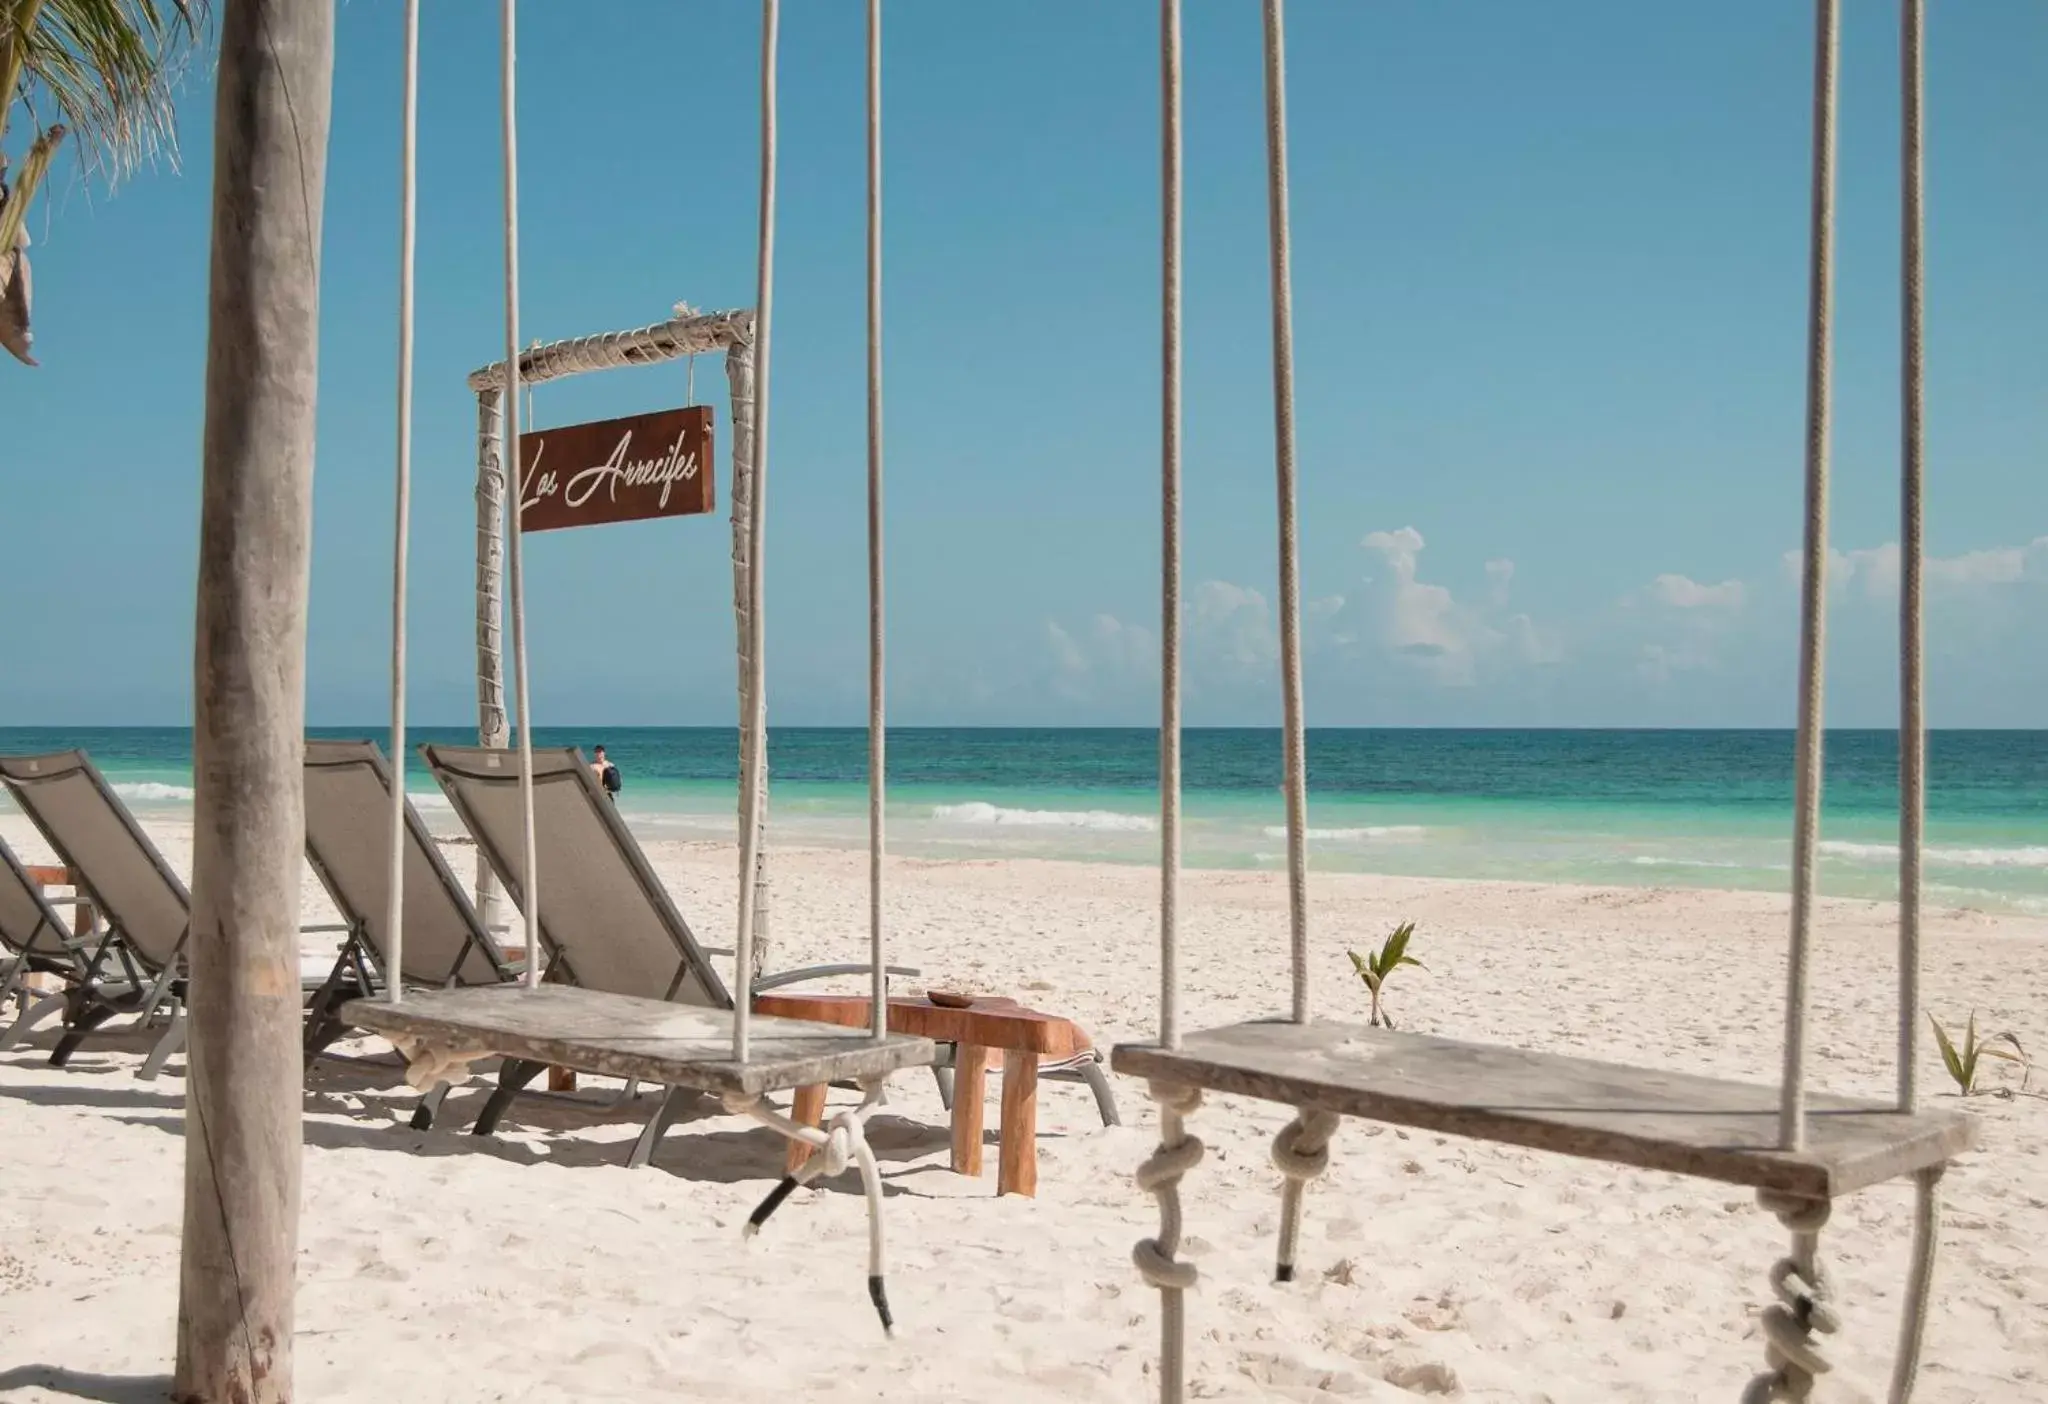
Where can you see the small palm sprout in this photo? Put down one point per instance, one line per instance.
(1962, 1062)
(1375, 966)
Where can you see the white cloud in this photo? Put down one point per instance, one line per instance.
(1419, 621)
(1425, 623)
(1874, 570)
(1500, 575)
(1683, 592)
(1997, 567)
(1233, 629)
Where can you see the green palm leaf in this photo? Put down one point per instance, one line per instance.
(104, 70)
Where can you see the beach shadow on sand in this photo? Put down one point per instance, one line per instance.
(355, 1104)
(352, 1106)
(76, 1384)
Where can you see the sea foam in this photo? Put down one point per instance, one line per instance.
(153, 792)
(2031, 856)
(978, 812)
(1358, 835)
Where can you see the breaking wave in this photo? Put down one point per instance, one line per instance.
(1358, 835)
(2032, 856)
(153, 792)
(978, 812)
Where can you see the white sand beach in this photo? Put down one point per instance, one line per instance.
(437, 1266)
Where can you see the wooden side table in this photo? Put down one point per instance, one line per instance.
(48, 876)
(992, 1028)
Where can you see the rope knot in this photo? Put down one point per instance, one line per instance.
(1301, 1151)
(1803, 1310)
(842, 1134)
(1160, 1177)
(428, 1064)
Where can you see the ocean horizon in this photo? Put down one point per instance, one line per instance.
(1613, 807)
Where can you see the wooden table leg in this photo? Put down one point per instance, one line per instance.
(807, 1108)
(1017, 1157)
(82, 916)
(561, 1079)
(970, 1085)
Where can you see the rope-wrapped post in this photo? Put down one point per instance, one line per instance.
(1803, 1311)
(492, 728)
(1157, 1258)
(1301, 1153)
(739, 380)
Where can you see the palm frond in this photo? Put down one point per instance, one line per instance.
(106, 69)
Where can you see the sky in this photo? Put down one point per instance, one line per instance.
(1549, 282)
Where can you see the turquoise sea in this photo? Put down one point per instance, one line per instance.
(1638, 808)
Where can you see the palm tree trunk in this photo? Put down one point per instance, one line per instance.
(244, 1080)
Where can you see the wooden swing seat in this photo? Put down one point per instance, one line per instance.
(1645, 1117)
(612, 1035)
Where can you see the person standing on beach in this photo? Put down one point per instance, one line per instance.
(607, 775)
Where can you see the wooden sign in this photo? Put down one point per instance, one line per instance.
(616, 470)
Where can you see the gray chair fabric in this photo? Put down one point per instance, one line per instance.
(34, 939)
(81, 817)
(134, 967)
(348, 807)
(606, 922)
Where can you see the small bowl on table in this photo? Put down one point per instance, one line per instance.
(950, 999)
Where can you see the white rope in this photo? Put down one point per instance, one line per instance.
(530, 887)
(1912, 480)
(686, 334)
(429, 1063)
(1169, 523)
(1813, 578)
(877, 676)
(1920, 1281)
(1156, 1258)
(394, 911)
(1803, 1311)
(840, 1143)
(491, 725)
(1912, 676)
(756, 758)
(1301, 1153)
(1178, 1152)
(739, 379)
(1295, 750)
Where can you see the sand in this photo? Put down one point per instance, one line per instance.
(437, 1266)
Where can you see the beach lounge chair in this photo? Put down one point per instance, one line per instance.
(1085, 1068)
(34, 940)
(348, 817)
(606, 921)
(136, 963)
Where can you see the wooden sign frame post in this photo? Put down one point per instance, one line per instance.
(687, 334)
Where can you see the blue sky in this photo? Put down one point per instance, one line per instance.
(1550, 269)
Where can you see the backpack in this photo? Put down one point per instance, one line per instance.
(612, 781)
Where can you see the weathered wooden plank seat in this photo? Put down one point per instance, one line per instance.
(1699, 1126)
(624, 1036)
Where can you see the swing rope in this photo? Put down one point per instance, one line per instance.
(1912, 674)
(1178, 1152)
(755, 724)
(394, 911)
(515, 533)
(1279, 239)
(1804, 1309)
(877, 657)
